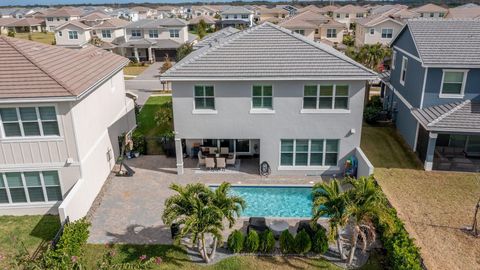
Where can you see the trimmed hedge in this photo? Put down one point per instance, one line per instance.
(320, 241)
(252, 242)
(235, 241)
(267, 242)
(286, 242)
(303, 243)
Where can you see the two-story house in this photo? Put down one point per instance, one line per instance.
(348, 14)
(431, 11)
(152, 40)
(236, 16)
(273, 15)
(73, 34)
(57, 17)
(285, 100)
(433, 91)
(379, 28)
(61, 112)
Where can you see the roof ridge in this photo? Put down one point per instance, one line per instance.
(443, 116)
(38, 65)
(323, 47)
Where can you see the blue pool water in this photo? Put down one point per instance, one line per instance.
(275, 201)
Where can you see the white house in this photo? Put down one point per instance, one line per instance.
(61, 113)
(73, 34)
(380, 28)
(236, 16)
(348, 13)
(57, 17)
(431, 11)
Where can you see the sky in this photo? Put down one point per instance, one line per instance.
(59, 2)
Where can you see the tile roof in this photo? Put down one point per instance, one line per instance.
(159, 23)
(236, 10)
(30, 69)
(95, 16)
(464, 13)
(447, 42)
(267, 51)
(307, 19)
(112, 24)
(216, 36)
(64, 12)
(313, 8)
(430, 8)
(350, 9)
(376, 19)
(27, 22)
(207, 19)
(462, 116)
(76, 23)
(7, 21)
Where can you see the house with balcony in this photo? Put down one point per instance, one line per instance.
(433, 91)
(56, 17)
(61, 114)
(236, 16)
(348, 14)
(152, 40)
(379, 28)
(240, 99)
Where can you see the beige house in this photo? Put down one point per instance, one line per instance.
(315, 26)
(57, 17)
(273, 15)
(464, 13)
(110, 31)
(73, 34)
(60, 117)
(379, 28)
(431, 11)
(26, 25)
(347, 14)
(95, 18)
(3, 24)
(144, 12)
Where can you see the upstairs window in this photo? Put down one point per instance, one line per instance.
(331, 33)
(359, 15)
(235, 16)
(387, 33)
(244, 16)
(153, 33)
(262, 97)
(403, 71)
(106, 34)
(174, 33)
(453, 83)
(204, 97)
(372, 31)
(136, 33)
(432, 14)
(59, 33)
(300, 31)
(72, 35)
(326, 97)
(29, 121)
(338, 15)
(50, 19)
(441, 14)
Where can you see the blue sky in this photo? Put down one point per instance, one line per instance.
(55, 2)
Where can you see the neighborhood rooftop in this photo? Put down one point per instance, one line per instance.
(447, 42)
(160, 23)
(267, 51)
(29, 69)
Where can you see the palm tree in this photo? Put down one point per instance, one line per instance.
(365, 202)
(329, 200)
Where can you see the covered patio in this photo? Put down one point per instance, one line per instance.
(149, 50)
(449, 136)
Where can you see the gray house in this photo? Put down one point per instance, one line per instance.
(433, 91)
(269, 95)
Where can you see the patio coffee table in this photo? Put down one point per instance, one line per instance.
(277, 227)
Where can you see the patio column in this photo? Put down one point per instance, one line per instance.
(150, 56)
(432, 141)
(179, 154)
(135, 51)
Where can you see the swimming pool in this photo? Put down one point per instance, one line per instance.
(275, 201)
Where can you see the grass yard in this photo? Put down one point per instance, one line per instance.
(134, 70)
(41, 37)
(435, 206)
(31, 230)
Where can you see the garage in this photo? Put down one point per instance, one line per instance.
(161, 53)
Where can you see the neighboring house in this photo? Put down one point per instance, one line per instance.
(380, 28)
(236, 16)
(144, 12)
(57, 17)
(315, 26)
(276, 99)
(214, 37)
(73, 34)
(61, 113)
(209, 21)
(125, 14)
(273, 15)
(348, 14)
(27, 25)
(110, 30)
(469, 12)
(431, 11)
(314, 9)
(95, 18)
(386, 9)
(152, 40)
(433, 91)
(4, 22)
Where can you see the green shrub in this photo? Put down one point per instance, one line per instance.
(235, 241)
(286, 242)
(320, 241)
(267, 242)
(303, 243)
(11, 34)
(373, 108)
(252, 242)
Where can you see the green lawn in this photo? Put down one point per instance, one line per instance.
(134, 70)
(47, 37)
(386, 149)
(32, 231)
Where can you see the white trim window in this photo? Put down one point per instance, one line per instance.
(332, 33)
(204, 97)
(262, 97)
(136, 33)
(29, 121)
(326, 96)
(394, 57)
(106, 33)
(300, 31)
(30, 187)
(309, 152)
(387, 32)
(72, 35)
(453, 83)
(59, 33)
(403, 71)
(244, 16)
(153, 33)
(174, 33)
(372, 31)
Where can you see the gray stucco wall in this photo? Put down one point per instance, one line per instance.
(234, 120)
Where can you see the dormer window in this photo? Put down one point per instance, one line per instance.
(72, 35)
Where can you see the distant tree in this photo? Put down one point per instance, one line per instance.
(184, 50)
(202, 29)
(217, 16)
(370, 55)
(348, 40)
(11, 34)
